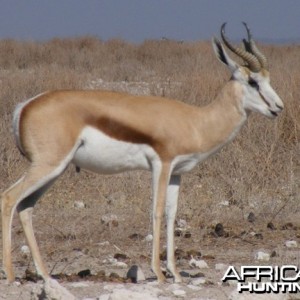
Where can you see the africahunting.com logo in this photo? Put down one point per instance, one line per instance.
(265, 279)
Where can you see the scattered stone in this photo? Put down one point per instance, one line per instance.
(178, 232)
(224, 203)
(262, 256)
(291, 244)
(197, 275)
(184, 274)
(259, 236)
(121, 256)
(25, 250)
(181, 223)
(110, 260)
(201, 264)
(51, 289)
(136, 237)
(79, 204)
(219, 230)
(106, 243)
(149, 238)
(271, 226)
(273, 254)
(199, 281)
(84, 273)
(120, 264)
(251, 217)
(135, 274)
(187, 235)
(110, 219)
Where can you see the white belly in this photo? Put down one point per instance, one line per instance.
(103, 154)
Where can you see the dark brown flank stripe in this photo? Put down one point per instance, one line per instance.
(121, 132)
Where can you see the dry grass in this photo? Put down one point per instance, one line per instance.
(259, 171)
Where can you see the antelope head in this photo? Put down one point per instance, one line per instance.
(254, 75)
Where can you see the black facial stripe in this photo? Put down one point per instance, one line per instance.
(264, 99)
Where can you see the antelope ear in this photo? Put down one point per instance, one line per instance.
(223, 56)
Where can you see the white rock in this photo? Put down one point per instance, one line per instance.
(111, 260)
(199, 281)
(179, 293)
(16, 283)
(224, 203)
(262, 256)
(106, 243)
(25, 250)
(291, 244)
(120, 264)
(108, 218)
(182, 223)
(79, 204)
(53, 290)
(149, 238)
(201, 264)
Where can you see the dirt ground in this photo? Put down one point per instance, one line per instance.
(88, 276)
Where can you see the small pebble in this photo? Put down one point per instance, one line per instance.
(179, 293)
(291, 244)
(262, 256)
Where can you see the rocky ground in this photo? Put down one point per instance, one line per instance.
(88, 278)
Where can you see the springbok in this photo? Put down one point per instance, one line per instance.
(109, 132)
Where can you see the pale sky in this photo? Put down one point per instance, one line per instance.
(137, 20)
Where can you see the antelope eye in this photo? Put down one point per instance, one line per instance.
(253, 83)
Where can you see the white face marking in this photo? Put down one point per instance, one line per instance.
(260, 97)
(103, 154)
